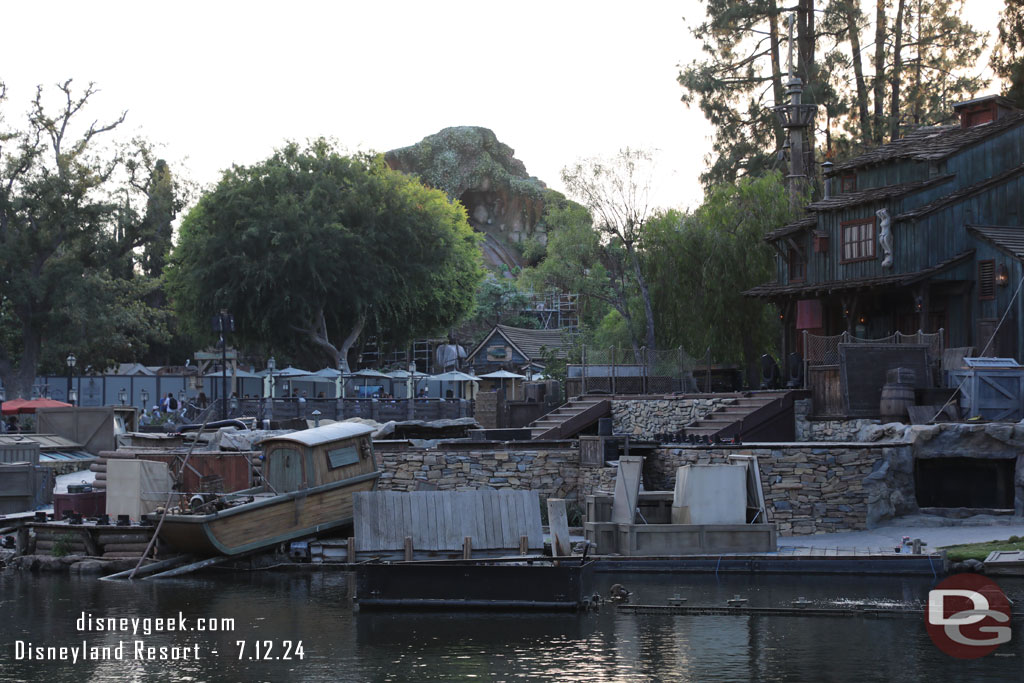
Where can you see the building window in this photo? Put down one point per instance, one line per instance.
(858, 240)
(848, 183)
(986, 280)
(797, 266)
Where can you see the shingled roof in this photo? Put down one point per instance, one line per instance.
(931, 143)
(875, 194)
(804, 223)
(960, 194)
(1008, 238)
(772, 290)
(529, 342)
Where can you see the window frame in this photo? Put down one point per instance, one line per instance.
(870, 241)
(795, 257)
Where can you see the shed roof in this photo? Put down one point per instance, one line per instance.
(931, 143)
(771, 289)
(875, 194)
(796, 226)
(326, 434)
(1008, 238)
(528, 342)
(962, 193)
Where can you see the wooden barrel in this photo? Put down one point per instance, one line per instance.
(896, 398)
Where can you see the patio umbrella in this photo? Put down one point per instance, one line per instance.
(410, 378)
(367, 374)
(503, 375)
(20, 405)
(455, 376)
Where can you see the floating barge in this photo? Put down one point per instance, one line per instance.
(309, 477)
(533, 584)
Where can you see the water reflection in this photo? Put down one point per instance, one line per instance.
(606, 646)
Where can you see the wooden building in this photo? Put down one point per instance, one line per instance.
(924, 233)
(517, 348)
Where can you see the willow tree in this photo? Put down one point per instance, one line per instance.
(311, 248)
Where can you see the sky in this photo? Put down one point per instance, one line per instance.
(218, 83)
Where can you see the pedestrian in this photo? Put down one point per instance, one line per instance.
(169, 404)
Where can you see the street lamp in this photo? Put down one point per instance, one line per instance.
(122, 395)
(271, 365)
(223, 323)
(70, 360)
(144, 395)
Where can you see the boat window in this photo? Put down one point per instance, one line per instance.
(339, 457)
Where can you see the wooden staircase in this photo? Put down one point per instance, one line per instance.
(760, 416)
(570, 418)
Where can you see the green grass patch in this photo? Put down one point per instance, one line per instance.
(979, 551)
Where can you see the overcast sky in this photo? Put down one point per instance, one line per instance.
(221, 82)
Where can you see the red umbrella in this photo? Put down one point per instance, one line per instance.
(20, 405)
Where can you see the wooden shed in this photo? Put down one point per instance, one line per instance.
(313, 457)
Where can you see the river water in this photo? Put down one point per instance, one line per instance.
(337, 645)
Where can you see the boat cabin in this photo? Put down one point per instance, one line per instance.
(315, 457)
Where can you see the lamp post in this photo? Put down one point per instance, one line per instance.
(144, 395)
(223, 323)
(70, 360)
(122, 395)
(271, 365)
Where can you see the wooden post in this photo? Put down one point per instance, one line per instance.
(467, 548)
(22, 540)
(408, 548)
(351, 550)
(91, 546)
(524, 545)
(558, 523)
(916, 544)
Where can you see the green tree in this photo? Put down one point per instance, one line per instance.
(1008, 55)
(310, 248)
(870, 80)
(702, 262)
(65, 234)
(616, 192)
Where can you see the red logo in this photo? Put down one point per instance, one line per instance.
(968, 616)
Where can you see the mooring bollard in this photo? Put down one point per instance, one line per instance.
(467, 548)
(408, 548)
(524, 545)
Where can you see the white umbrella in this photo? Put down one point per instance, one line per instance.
(455, 376)
(329, 373)
(503, 375)
(368, 373)
(291, 372)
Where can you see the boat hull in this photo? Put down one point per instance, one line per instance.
(264, 523)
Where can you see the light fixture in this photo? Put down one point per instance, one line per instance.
(181, 396)
(71, 360)
(918, 304)
(145, 398)
(122, 396)
(73, 397)
(1002, 276)
(862, 320)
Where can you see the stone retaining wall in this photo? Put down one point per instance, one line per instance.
(827, 430)
(807, 489)
(552, 472)
(644, 418)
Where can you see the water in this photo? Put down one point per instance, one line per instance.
(607, 646)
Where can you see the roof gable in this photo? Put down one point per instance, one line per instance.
(527, 342)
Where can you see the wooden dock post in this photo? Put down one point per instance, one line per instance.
(21, 542)
(558, 523)
(408, 548)
(524, 545)
(467, 548)
(351, 550)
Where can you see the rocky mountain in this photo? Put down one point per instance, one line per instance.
(470, 164)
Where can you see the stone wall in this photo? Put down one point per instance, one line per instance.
(827, 430)
(644, 418)
(485, 409)
(552, 472)
(807, 489)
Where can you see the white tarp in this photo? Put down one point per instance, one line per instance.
(136, 487)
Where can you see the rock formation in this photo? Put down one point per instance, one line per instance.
(470, 164)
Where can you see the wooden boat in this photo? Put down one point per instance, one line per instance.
(309, 477)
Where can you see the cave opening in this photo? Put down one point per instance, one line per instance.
(965, 482)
